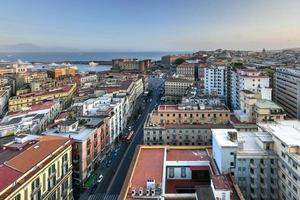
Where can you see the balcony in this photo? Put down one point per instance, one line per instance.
(274, 185)
(262, 165)
(263, 185)
(253, 165)
(262, 175)
(273, 165)
(253, 185)
(253, 175)
(274, 176)
(274, 195)
(253, 195)
(263, 195)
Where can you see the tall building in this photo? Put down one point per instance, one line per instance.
(177, 87)
(215, 81)
(167, 173)
(189, 71)
(286, 138)
(245, 79)
(36, 167)
(250, 158)
(287, 90)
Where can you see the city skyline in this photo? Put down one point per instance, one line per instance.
(152, 26)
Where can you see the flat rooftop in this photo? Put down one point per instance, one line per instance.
(221, 136)
(81, 134)
(287, 131)
(187, 155)
(267, 104)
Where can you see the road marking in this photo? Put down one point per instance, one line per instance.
(137, 130)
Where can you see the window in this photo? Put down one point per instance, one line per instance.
(183, 172)
(171, 172)
(18, 197)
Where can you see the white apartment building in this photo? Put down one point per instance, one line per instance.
(215, 81)
(245, 79)
(250, 158)
(286, 137)
(287, 90)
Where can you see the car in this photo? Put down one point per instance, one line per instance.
(100, 178)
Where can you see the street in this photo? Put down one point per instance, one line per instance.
(114, 176)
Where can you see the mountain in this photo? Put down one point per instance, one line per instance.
(29, 48)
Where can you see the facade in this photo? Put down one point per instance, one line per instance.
(131, 65)
(177, 87)
(36, 167)
(245, 79)
(90, 140)
(286, 137)
(165, 172)
(86, 79)
(255, 109)
(250, 158)
(3, 102)
(287, 90)
(215, 81)
(64, 94)
(188, 71)
(17, 67)
(183, 125)
(57, 72)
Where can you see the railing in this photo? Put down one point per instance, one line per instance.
(253, 165)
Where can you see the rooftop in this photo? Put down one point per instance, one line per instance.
(267, 104)
(187, 155)
(287, 131)
(221, 136)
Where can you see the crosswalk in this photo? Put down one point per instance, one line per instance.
(103, 197)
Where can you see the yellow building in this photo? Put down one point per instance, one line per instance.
(25, 100)
(36, 167)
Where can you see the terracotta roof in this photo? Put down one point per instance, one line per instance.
(36, 153)
(187, 155)
(149, 165)
(10, 176)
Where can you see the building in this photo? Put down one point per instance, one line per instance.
(184, 125)
(36, 167)
(250, 158)
(64, 94)
(286, 137)
(287, 90)
(244, 79)
(57, 72)
(165, 172)
(189, 71)
(177, 87)
(33, 120)
(16, 67)
(3, 102)
(215, 81)
(86, 79)
(133, 65)
(90, 141)
(255, 109)
(170, 59)
(35, 76)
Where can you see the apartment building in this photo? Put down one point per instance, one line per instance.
(250, 158)
(255, 109)
(215, 81)
(287, 90)
(64, 94)
(184, 125)
(177, 86)
(170, 172)
(35, 76)
(16, 67)
(244, 79)
(36, 167)
(286, 137)
(33, 120)
(90, 141)
(189, 71)
(131, 65)
(86, 79)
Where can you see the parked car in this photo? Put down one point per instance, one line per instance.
(100, 178)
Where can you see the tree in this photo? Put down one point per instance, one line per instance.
(179, 61)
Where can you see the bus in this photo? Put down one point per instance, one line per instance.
(129, 136)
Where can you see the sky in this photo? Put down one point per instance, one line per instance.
(152, 25)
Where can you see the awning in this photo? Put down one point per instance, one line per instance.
(199, 168)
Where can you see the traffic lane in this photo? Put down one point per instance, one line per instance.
(108, 172)
(121, 174)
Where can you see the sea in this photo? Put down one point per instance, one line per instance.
(39, 57)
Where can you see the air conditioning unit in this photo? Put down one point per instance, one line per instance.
(141, 191)
(148, 192)
(152, 192)
(133, 192)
